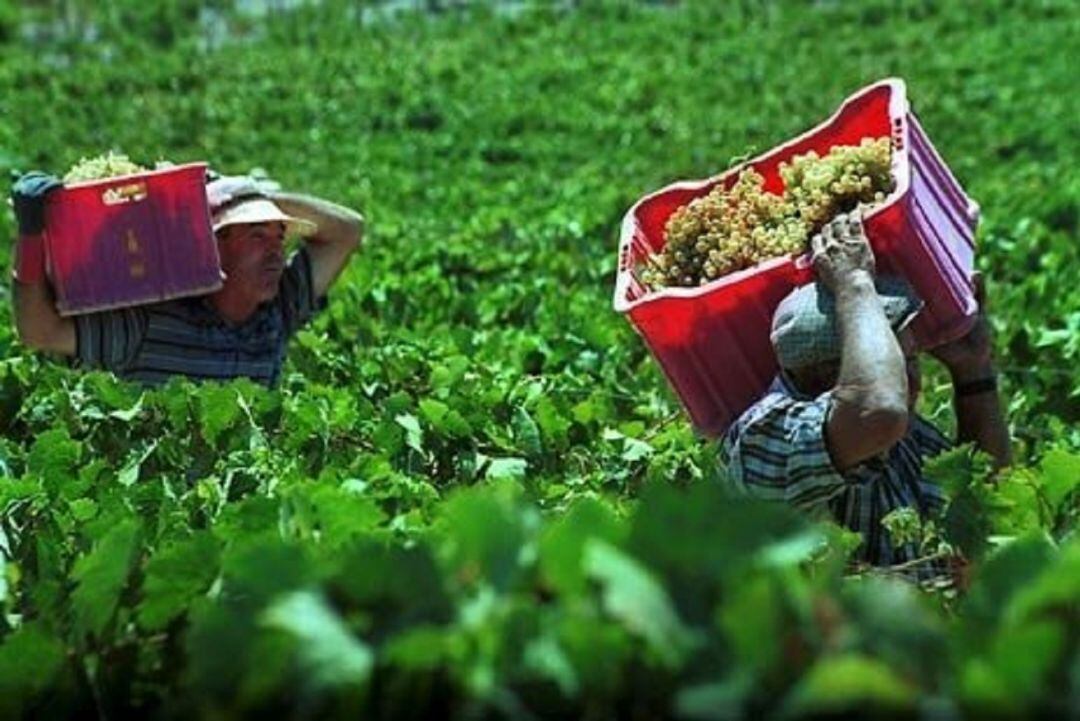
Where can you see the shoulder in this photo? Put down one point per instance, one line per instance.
(778, 415)
(776, 450)
(778, 431)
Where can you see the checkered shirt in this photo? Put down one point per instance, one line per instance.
(776, 451)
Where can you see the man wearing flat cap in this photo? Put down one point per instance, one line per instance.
(836, 435)
(241, 330)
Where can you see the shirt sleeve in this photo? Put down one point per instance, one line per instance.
(109, 340)
(777, 451)
(928, 439)
(929, 442)
(296, 295)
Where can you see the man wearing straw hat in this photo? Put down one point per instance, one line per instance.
(240, 330)
(837, 434)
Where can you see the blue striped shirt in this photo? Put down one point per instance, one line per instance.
(776, 451)
(149, 344)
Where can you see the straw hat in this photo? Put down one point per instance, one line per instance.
(236, 200)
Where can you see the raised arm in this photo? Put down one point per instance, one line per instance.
(340, 232)
(36, 321)
(969, 359)
(869, 413)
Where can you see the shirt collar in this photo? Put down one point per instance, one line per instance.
(207, 312)
(782, 384)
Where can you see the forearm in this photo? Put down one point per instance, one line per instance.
(979, 416)
(339, 234)
(338, 225)
(38, 324)
(872, 374)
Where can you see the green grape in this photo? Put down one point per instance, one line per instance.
(730, 229)
(104, 166)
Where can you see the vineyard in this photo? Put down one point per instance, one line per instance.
(473, 494)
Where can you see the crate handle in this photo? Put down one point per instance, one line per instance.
(128, 193)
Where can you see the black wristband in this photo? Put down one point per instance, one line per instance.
(975, 387)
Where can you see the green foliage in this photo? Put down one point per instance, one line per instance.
(175, 576)
(473, 495)
(850, 683)
(635, 598)
(100, 576)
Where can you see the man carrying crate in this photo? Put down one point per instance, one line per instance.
(836, 434)
(241, 330)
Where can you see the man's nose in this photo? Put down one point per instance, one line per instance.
(272, 250)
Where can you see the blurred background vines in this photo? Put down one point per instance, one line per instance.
(473, 495)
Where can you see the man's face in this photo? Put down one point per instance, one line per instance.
(253, 258)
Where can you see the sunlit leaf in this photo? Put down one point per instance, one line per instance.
(330, 655)
(635, 597)
(850, 683)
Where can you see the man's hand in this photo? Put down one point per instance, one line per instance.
(869, 411)
(969, 356)
(28, 199)
(841, 249)
(38, 324)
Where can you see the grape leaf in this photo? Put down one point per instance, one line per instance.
(101, 575)
(414, 434)
(635, 597)
(30, 659)
(849, 682)
(1060, 475)
(967, 523)
(482, 532)
(176, 574)
(502, 469)
(526, 433)
(55, 457)
(1015, 669)
(330, 655)
(1005, 572)
(563, 542)
(219, 409)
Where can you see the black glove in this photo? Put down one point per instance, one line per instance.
(28, 198)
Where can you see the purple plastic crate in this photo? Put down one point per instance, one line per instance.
(131, 240)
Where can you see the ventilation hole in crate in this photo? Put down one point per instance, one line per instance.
(898, 133)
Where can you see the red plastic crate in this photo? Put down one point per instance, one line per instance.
(713, 341)
(131, 240)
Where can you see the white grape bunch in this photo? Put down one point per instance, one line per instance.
(729, 230)
(101, 167)
(822, 188)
